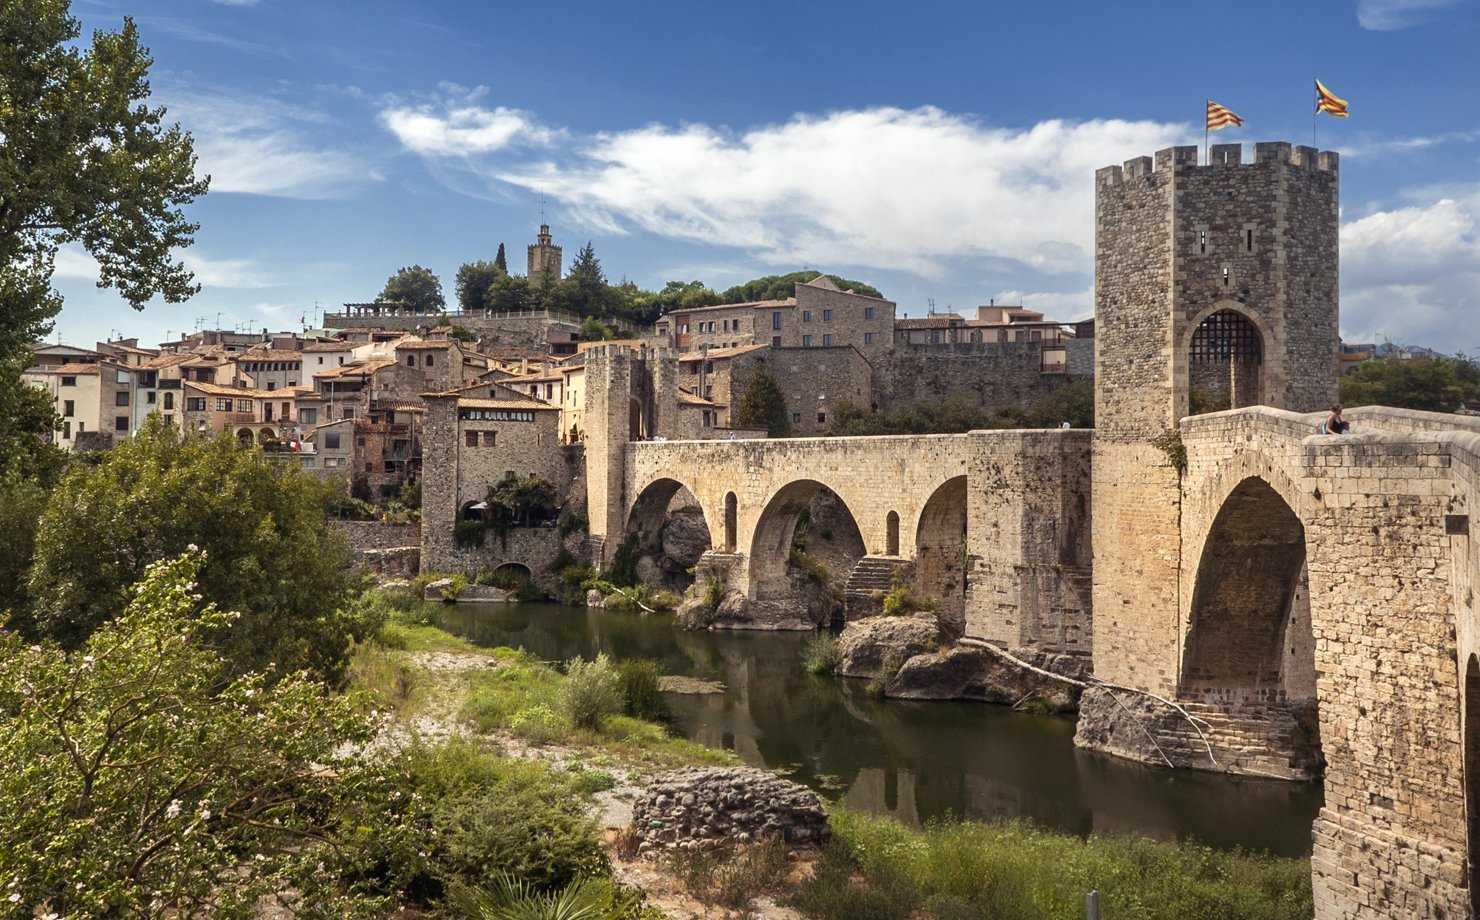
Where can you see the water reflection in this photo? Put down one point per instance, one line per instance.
(914, 761)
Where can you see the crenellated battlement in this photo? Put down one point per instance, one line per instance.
(1179, 159)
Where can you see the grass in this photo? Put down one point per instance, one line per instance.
(731, 878)
(822, 654)
(878, 868)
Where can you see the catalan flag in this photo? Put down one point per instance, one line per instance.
(1325, 102)
(1219, 117)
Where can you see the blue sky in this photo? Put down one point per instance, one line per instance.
(942, 151)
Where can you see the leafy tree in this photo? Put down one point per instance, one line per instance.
(1432, 384)
(1073, 403)
(474, 279)
(417, 288)
(523, 499)
(763, 405)
(594, 330)
(84, 160)
(139, 782)
(22, 502)
(499, 261)
(510, 294)
(271, 555)
(780, 287)
(584, 290)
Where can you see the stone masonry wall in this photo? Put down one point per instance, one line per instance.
(992, 375)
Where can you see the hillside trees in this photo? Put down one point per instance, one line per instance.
(417, 288)
(270, 554)
(780, 287)
(1438, 384)
(86, 161)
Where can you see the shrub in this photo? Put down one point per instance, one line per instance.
(731, 879)
(592, 690)
(640, 688)
(539, 724)
(821, 654)
(623, 570)
(469, 534)
(901, 597)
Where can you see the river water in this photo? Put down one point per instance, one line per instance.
(913, 761)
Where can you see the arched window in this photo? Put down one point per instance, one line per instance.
(730, 519)
(892, 534)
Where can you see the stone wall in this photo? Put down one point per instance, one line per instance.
(993, 375)
(535, 329)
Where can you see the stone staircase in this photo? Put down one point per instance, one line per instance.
(870, 574)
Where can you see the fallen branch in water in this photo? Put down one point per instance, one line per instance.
(1192, 720)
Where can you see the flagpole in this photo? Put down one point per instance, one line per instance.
(1206, 104)
(1313, 116)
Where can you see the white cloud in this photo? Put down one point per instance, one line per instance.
(920, 189)
(261, 146)
(1413, 274)
(1064, 306)
(75, 263)
(1390, 15)
(453, 124)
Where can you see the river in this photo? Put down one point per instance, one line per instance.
(913, 761)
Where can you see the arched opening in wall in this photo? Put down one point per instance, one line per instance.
(1472, 779)
(473, 511)
(634, 420)
(940, 553)
(731, 521)
(1225, 364)
(266, 435)
(891, 534)
(1250, 650)
(671, 532)
(246, 437)
(512, 570)
(806, 543)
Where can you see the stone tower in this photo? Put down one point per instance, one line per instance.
(1215, 287)
(544, 256)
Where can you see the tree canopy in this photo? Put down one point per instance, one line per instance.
(500, 260)
(474, 284)
(1432, 384)
(1073, 403)
(763, 405)
(417, 288)
(780, 287)
(84, 160)
(269, 552)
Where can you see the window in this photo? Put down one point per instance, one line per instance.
(796, 418)
(806, 341)
(151, 397)
(223, 405)
(806, 316)
(69, 381)
(868, 337)
(1248, 239)
(935, 337)
(347, 412)
(868, 312)
(411, 360)
(490, 438)
(66, 431)
(776, 320)
(168, 419)
(120, 423)
(369, 467)
(359, 442)
(331, 440)
(470, 438)
(169, 400)
(775, 341)
(827, 340)
(271, 386)
(321, 360)
(120, 398)
(726, 325)
(1202, 241)
(244, 405)
(194, 403)
(429, 360)
(69, 408)
(822, 418)
(827, 316)
(121, 377)
(496, 415)
(308, 416)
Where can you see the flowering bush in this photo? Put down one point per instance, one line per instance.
(137, 780)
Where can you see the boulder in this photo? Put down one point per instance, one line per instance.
(437, 590)
(594, 598)
(649, 572)
(965, 673)
(685, 538)
(865, 645)
(714, 806)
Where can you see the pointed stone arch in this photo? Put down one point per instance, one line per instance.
(940, 552)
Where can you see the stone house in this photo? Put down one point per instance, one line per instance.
(250, 415)
(819, 315)
(814, 381)
(264, 368)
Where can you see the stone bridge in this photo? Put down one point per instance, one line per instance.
(1312, 597)
(996, 523)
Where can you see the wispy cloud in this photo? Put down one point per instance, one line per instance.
(74, 263)
(453, 124)
(921, 188)
(259, 146)
(1391, 15)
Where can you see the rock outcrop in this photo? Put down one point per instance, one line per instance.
(866, 645)
(699, 807)
(964, 673)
